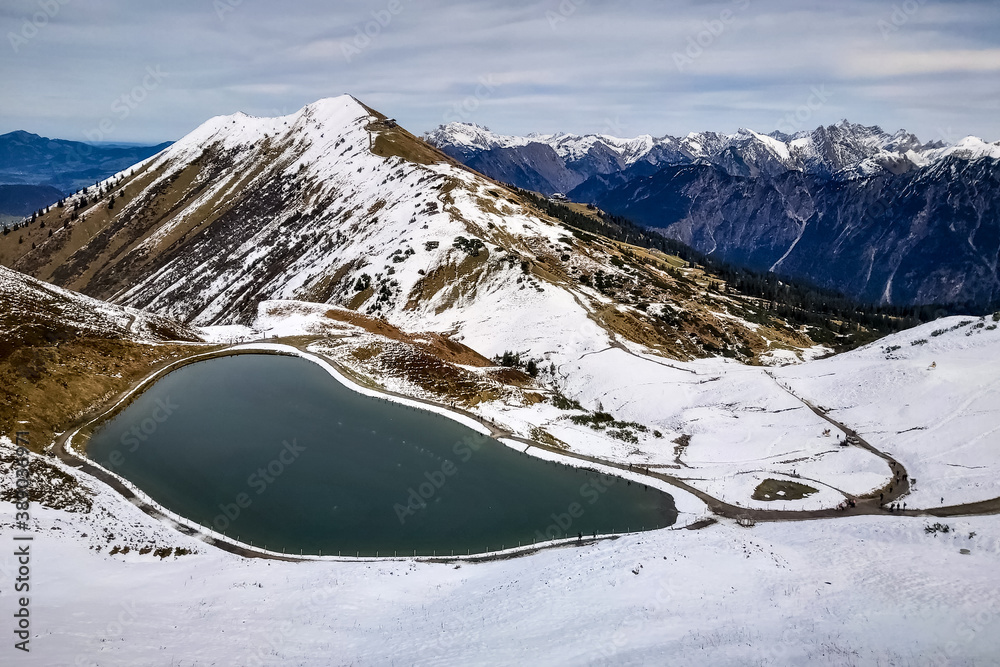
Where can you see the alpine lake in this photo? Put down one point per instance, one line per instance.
(274, 451)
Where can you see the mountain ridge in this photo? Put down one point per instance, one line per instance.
(337, 204)
(843, 150)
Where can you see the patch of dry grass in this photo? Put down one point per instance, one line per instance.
(47, 389)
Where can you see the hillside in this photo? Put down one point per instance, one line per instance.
(334, 204)
(927, 236)
(879, 588)
(62, 354)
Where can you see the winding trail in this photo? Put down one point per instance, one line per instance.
(900, 484)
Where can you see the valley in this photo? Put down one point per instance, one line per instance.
(418, 296)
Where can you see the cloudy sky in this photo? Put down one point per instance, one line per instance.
(127, 71)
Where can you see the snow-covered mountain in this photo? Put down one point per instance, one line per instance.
(844, 150)
(337, 204)
(896, 221)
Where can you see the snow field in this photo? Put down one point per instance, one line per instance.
(934, 405)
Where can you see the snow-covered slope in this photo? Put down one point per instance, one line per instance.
(300, 207)
(861, 591)
(39, 310)
(336, 204)
(930, 396)
(969, 148)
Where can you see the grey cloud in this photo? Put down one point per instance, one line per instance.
(573, 65)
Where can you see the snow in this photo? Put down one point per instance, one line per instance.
(859, 151)
(865, 591)
(933, 405)
(743, 427)
(969, 148)
(780, 148)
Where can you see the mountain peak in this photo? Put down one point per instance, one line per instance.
(21, 135)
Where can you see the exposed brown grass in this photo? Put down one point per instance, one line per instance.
(46, 389)
(432, 343)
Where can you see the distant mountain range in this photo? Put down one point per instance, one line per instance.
(882, 217)
(60, 167)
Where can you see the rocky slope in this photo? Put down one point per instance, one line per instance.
(927, 236)
(62, 353)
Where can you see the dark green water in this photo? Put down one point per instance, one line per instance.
(274, 450)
